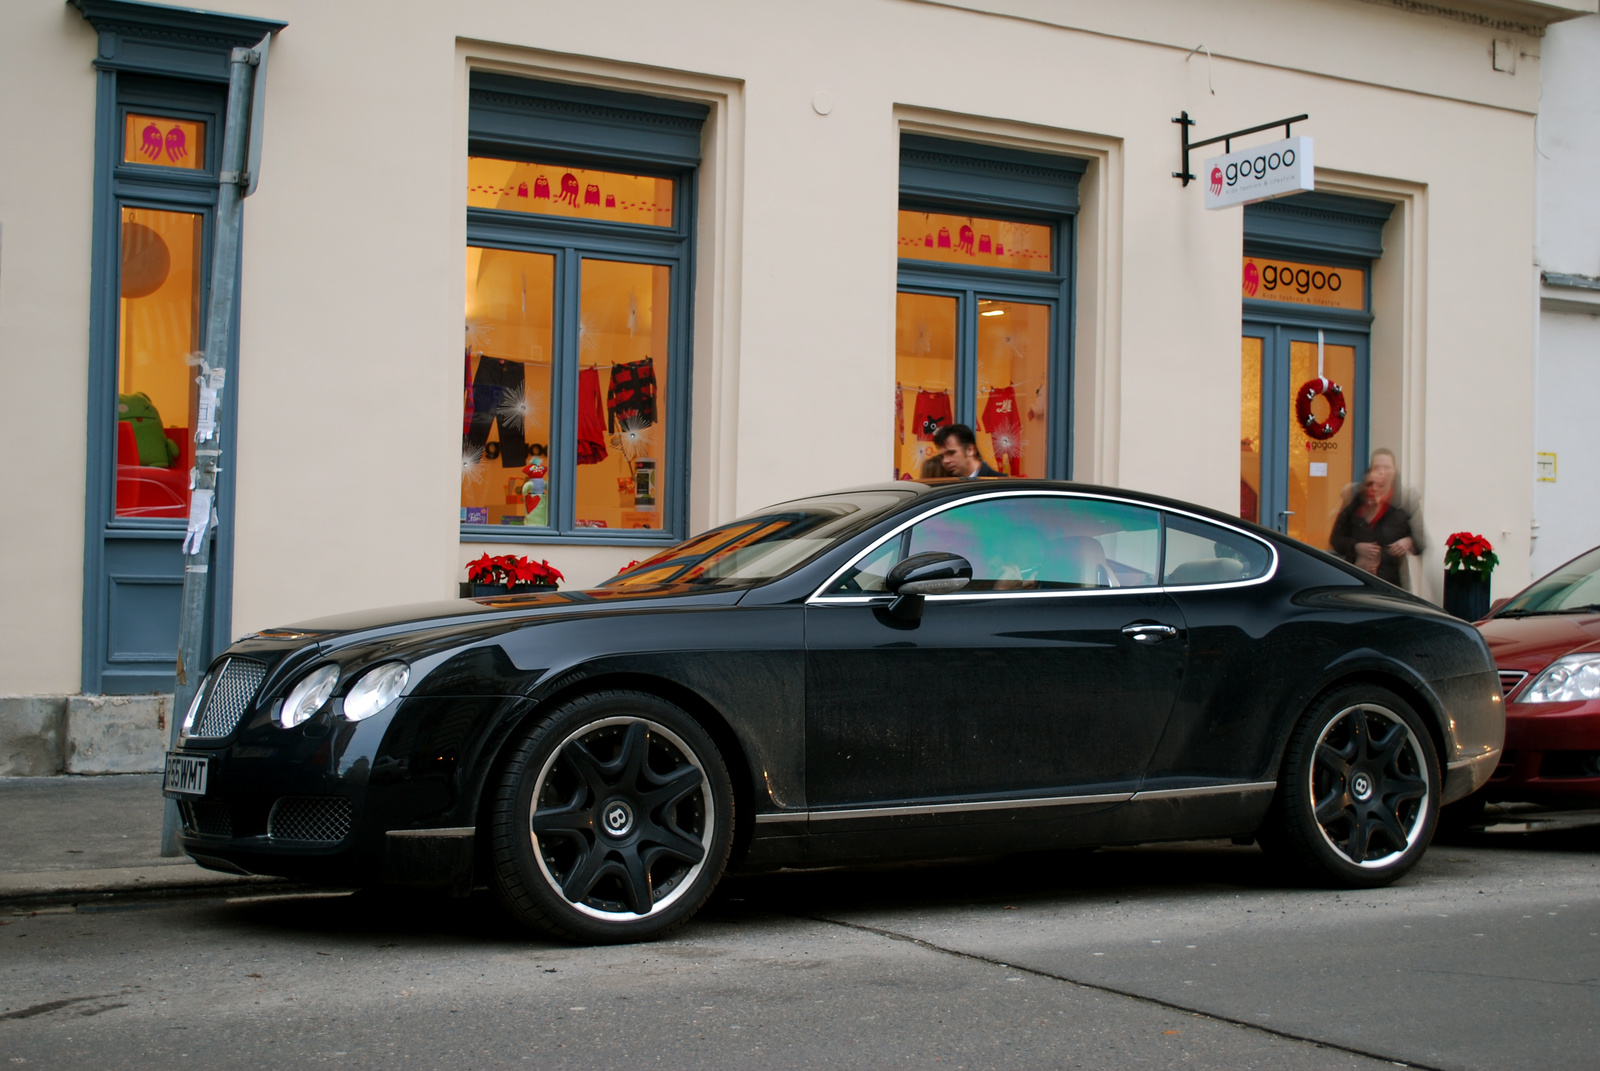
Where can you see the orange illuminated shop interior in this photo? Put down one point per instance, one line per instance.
(1012, 359)
(509, 469)
(158, 330)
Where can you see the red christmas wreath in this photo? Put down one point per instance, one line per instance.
(1308, 392)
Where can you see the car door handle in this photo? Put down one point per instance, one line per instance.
(1148, 633)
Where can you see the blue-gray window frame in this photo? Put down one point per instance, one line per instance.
(618, 146)
(1324, 229)
(944, 176)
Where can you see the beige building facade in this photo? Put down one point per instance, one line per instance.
(760, 279)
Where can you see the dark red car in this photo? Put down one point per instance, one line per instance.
(1546, 645)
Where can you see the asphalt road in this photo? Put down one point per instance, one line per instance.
(1197, 955)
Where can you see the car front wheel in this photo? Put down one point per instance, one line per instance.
(612, 821)
(1358, 795)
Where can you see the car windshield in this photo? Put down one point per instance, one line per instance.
(762, 546)
(1572, 589)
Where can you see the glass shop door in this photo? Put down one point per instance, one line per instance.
(1303, 426)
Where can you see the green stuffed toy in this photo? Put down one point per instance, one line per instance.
(155, 449)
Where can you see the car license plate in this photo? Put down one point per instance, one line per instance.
(186, 776)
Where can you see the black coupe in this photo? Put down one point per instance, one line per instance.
(914, 670)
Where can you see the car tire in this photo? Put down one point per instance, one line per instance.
(612, 820)
(1358, 793)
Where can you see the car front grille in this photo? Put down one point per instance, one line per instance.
(314, 818)
(228, 696)
(208, 819)
(1509, 679)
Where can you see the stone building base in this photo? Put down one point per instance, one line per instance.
(41, 735)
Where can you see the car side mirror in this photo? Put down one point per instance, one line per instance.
(933, 572)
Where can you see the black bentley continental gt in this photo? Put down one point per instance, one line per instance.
(916, 670)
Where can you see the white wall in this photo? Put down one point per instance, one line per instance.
(1568, 373)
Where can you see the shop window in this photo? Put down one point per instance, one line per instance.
(982, 315)
(159, 327)
(574, 393)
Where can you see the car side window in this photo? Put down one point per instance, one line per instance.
(1201, 553)
(1043, 543)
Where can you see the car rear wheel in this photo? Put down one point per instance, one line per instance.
(1358, 796)
(612, 820)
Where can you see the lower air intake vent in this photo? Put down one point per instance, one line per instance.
(228, 696)
(207, 819)
(1509, 679)
(320, 818)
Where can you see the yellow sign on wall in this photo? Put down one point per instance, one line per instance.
(1304, 284)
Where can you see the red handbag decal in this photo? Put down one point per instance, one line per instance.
(541, 188)
(591, 194)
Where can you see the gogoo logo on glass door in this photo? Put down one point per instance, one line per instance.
(1304, 284)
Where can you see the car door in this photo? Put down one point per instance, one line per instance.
(1052, 674)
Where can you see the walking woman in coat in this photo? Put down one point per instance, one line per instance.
(1374, 531)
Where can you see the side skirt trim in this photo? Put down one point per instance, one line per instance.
(916, 809)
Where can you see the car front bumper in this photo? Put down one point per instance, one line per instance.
(1552, 755)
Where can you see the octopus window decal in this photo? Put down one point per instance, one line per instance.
(152, 140)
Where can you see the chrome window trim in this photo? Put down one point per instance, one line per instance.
(817, 598)
(908, 810)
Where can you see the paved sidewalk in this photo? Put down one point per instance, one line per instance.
(61, 836)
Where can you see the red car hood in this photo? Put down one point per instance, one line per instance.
(1531, 643)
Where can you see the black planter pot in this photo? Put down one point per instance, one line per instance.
(1466, 595)
(469, 590)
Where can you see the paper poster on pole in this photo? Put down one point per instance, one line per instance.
(1259, 173)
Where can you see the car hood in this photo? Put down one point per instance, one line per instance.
(493, 613)
(1531, 643)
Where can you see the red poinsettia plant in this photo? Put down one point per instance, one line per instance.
(1468, 553)
(514, 571)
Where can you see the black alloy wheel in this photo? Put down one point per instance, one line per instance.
(613, 820)
(1358, 797)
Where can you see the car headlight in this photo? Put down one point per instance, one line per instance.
(308, 696)
(375, 690)
(194, 707)
(1567, 680)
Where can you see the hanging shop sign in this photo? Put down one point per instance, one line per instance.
(1304, 284)
(1260, 173)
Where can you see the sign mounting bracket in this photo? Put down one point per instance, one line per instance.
(1185, 145)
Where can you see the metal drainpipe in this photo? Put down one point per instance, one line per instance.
(207, 454)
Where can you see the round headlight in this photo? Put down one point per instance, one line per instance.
(1572, 679)
(194, 707)
(308, 696)
(376, 689)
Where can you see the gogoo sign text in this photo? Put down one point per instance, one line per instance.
(1266, 171)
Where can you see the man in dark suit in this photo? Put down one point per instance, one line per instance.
(958, 450)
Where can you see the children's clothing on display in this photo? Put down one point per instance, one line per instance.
(631, 399)
(1001, 421)
(494, 379)
(899, 414)
(931, 413)
(591, 425)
